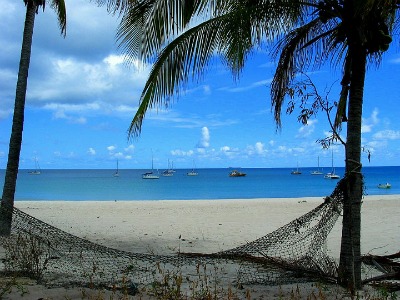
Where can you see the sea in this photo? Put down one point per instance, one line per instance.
(101, 185)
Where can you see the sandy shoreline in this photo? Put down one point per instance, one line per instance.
(169, 226)
(207, 225)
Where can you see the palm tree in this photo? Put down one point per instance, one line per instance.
(32, 8)
(350, 33)
(181, 37)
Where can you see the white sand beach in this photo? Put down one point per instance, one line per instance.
(165, 227)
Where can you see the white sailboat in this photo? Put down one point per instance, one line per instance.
(116, 174)
(37, 168)
(332, 174)
(150, 175)
(317, 172)
(386, 185)
(192, 172)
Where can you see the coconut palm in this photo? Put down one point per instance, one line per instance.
(32, 8)
(349, 33)
(181, 37)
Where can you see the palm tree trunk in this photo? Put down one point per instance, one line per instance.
(18, 123)
(350, 254)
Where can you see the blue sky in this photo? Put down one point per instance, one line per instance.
(82, 96)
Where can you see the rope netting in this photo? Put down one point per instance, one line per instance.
(295, 252)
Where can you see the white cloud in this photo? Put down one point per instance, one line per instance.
(205, 138)
(130, 149)
(74, 112)
(282, 148)
(201, 151)
(229, 152)
(259, 148)
(307, 130)
(225, 149)
(59, 113)
(369, 123)
(70, 80)
(111, 148)
(387, 135)
(114, 60)
(178, 152)
(118, 154)
(91, 151)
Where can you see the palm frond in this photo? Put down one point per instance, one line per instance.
(116, 6)
(230, 35)
(148, 25)
(186, 55)
(287, 65)
(61, 11)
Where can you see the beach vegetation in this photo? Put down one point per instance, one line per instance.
(26, 255)
(204, 283)
(10, 180)
(8, 284)
(181, 39)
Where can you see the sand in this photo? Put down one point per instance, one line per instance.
(165, 227)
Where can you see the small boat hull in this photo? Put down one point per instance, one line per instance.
(150, 176)
(384, 186)
(316, 173)
(34, 173)
(236, 173)
(331, 176)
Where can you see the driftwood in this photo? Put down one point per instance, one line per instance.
(389, 276)
(385, 263)
(388, 265)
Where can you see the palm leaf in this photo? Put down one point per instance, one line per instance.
(288, 48)
(61, 11)
(230, 35)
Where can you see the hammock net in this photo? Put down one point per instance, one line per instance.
(295, 252)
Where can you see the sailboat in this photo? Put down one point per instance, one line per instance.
(116, 174)
(192, 172)
(386, 185)
(296, 172)
(317, 172)
(169, 172)
(332, 174)
(37, 168)
(150, 175)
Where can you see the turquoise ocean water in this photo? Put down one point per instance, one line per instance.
(209, 184)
